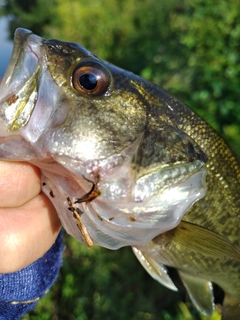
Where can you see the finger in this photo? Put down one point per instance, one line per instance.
(19, 182)
(26, 233)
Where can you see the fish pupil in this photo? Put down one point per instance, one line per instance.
(88, 81)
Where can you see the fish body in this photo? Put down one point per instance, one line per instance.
(204, 247)
(125, 163)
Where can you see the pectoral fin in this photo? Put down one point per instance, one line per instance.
(194, 238)
(200, 292)
(155, 269)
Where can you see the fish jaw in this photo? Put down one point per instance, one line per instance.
(114, 220)
(25, 108)
(18, 90)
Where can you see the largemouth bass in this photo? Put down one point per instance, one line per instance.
(125, 164)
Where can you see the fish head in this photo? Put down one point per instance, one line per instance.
(110, 147)
(44, 95)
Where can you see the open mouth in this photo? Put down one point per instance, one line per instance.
(18, 89)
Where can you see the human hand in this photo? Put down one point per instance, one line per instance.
(29, 223)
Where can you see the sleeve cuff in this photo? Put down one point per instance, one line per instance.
(20, 291)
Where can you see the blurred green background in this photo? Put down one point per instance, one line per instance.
(189, 48)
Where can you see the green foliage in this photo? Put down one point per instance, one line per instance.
(100, 284)
(210, 34)
(123, 32)
(30, 14)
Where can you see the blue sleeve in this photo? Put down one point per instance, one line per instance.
(20, 291)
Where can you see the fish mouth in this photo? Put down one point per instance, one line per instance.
(18, 89)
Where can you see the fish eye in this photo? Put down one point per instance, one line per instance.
(91, 78)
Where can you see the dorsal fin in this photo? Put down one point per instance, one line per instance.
(200, 292)
(155, 269)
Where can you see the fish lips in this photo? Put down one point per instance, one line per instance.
(23, 103)
(24, 61)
